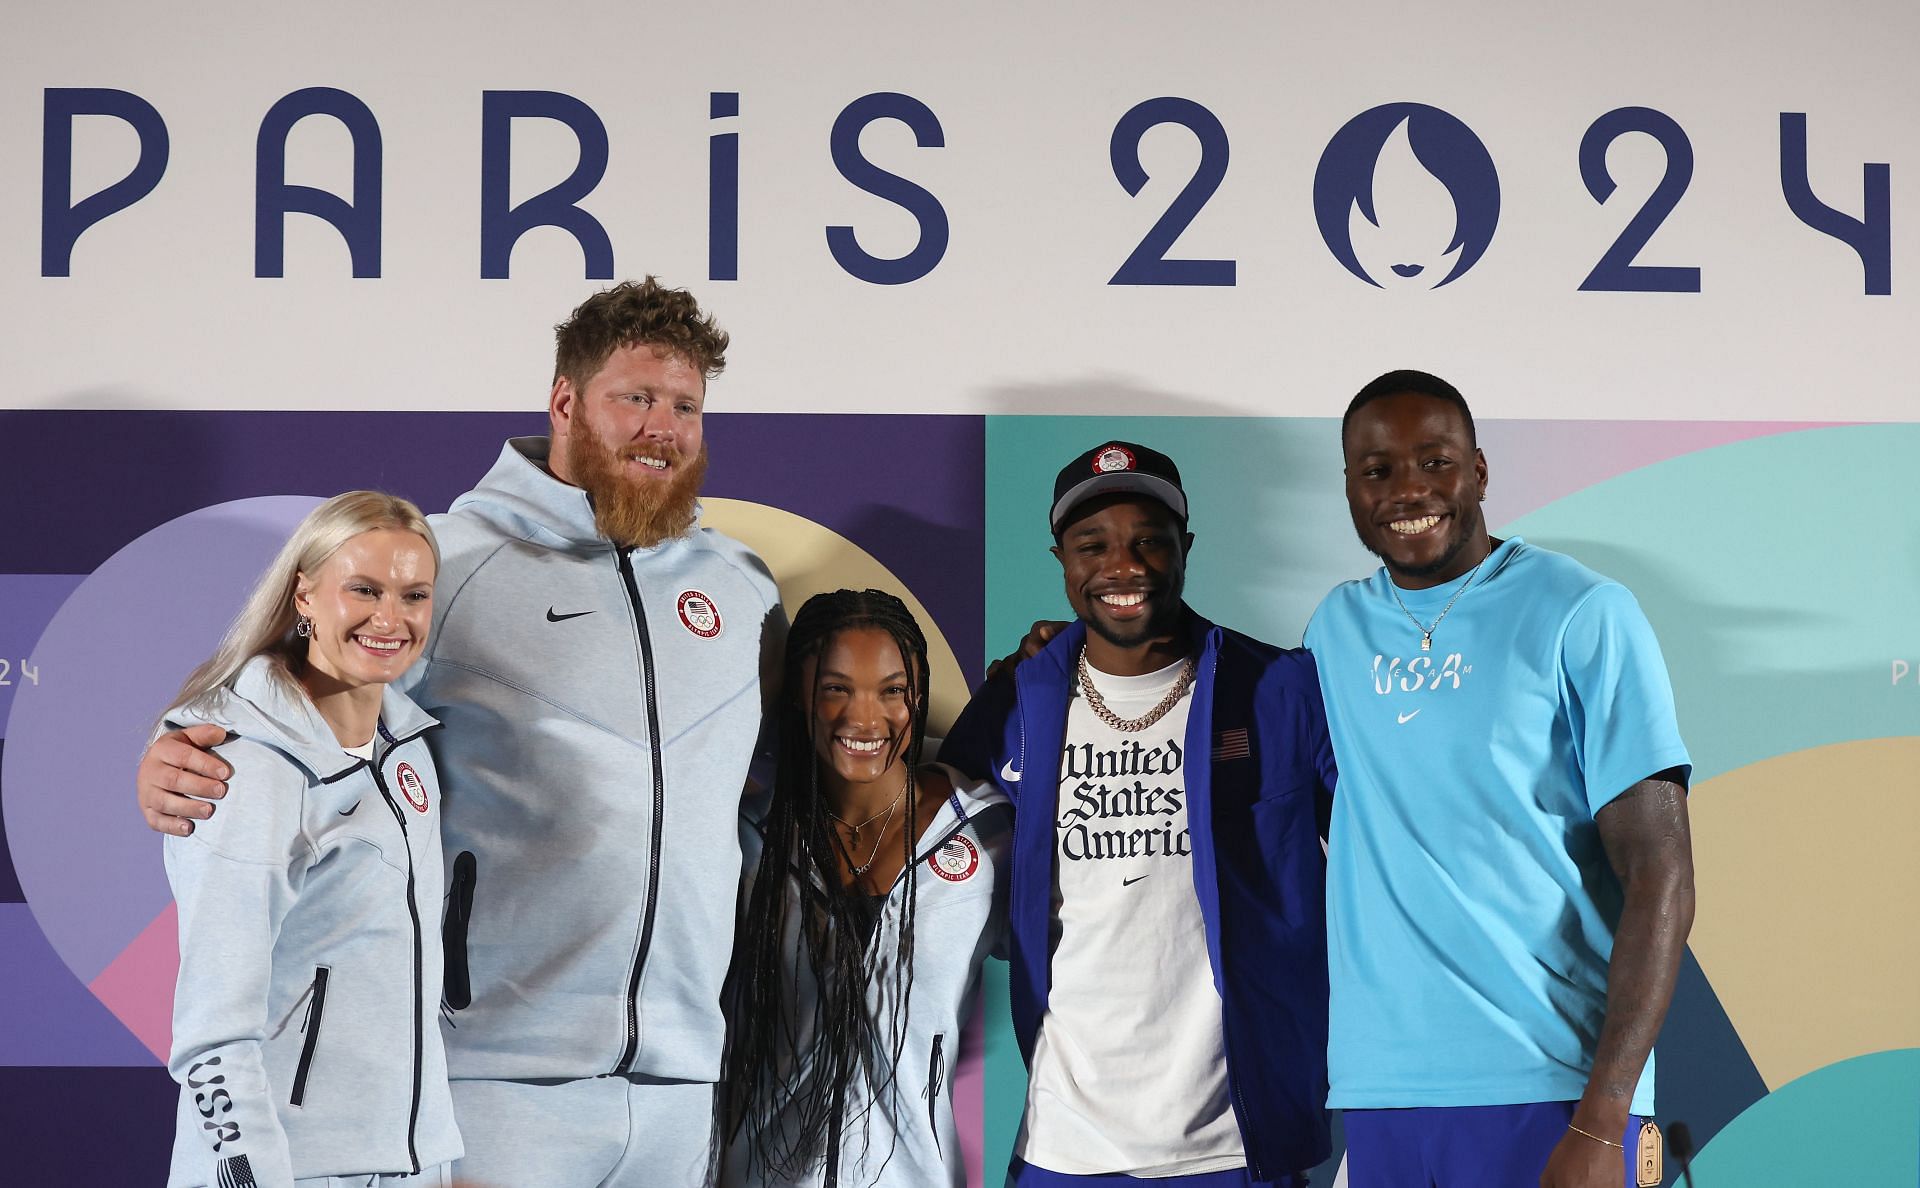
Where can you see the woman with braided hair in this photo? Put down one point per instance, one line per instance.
(873, 898)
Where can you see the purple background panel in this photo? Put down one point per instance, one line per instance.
(110, 663)
(27, 602)
(51, 1016)
(103, 1127)
(9, 882)
(100, 479)
(147, 610)
(908, 489)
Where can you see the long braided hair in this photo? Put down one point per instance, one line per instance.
(789, 1073)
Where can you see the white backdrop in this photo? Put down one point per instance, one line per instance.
(163, 309)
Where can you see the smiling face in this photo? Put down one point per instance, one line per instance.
(632, 440)
(371, 604)
(857, 694)
(1415, 480)
(1124, 558)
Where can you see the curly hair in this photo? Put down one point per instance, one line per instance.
(636, 313)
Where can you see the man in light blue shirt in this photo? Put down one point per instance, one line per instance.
(1510, 875)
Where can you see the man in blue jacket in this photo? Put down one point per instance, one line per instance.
(1166, 913)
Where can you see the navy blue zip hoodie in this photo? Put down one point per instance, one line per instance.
(1257, 813)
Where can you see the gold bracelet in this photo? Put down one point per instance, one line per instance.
(1596, 1138)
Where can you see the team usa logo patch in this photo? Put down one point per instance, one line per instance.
(412, 786)
(955, 860)
(699, 615)
(1113, 458)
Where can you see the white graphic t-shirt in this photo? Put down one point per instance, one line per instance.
(1129, 1071)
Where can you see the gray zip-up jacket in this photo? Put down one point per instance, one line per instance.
(959, 918)
(602, 708)
(304, 1036)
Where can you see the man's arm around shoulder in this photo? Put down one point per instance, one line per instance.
(978, 744)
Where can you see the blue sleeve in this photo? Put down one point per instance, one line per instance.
(1320, 740)
(1321, 736)
(975, 744)
(1619, 699)
(1306, 760)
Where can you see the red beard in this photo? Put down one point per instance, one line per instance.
(635, 513)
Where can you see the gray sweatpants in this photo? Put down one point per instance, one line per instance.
(599, 1132)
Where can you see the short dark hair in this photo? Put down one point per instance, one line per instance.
(1420, 383)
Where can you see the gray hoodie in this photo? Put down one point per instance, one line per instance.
(304, 1037)
(959, 918)
(602, 708)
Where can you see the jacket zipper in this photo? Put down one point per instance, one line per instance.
(936, 1069)
(936, 1063)
(413, 912)
(1240, 1108)
(627, 1054)
(316, 1005)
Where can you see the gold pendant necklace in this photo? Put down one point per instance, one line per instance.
(1426, 629)
(854, 830)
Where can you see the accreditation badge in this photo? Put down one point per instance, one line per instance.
(1649, 1158)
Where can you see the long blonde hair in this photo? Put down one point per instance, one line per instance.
(265, 625)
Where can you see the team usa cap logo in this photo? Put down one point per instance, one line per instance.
(955, 860)
(1116, 467)
(412, 786)
(699, 615)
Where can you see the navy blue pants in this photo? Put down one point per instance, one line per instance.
(1025, 1175)
(1464, 1146)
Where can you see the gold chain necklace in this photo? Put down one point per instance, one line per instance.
(1133, 725)
(847, 847)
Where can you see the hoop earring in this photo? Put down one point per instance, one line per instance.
(303, 628)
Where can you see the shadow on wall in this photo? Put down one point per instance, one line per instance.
(1099, 396)
(1710, 649)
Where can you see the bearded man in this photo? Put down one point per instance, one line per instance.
(596, 662)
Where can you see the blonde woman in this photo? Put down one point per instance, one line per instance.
(305, 1036)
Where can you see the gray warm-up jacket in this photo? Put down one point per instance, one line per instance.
(304, 1036)
(959, 918)
(602, 708)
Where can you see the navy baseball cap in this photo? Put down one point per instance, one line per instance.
(1117, 466)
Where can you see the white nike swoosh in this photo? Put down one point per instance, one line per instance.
(1403, 719)
(1010, 773)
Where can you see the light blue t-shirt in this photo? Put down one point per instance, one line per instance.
(1470, 905)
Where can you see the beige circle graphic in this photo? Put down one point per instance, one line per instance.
(807, 558)
(1806, 884)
